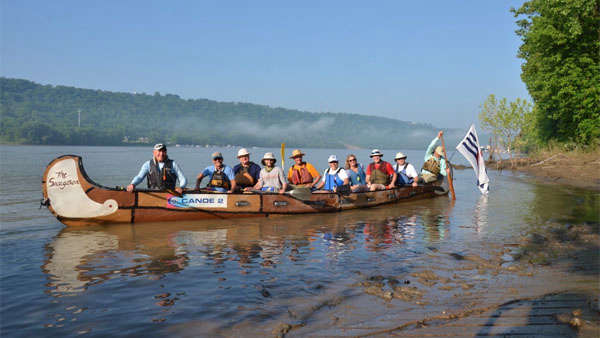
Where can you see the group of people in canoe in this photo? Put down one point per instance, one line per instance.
(162, 173)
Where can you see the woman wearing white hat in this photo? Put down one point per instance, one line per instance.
(334, 176)
(406, 172)
(271, 177)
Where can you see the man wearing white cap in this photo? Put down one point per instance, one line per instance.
(161, 172)
(434, 167)
(406, 172)
(271, 177)
(334, 176)
(380, 174)
(246, 172)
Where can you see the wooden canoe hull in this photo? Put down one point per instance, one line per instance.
(76, 200)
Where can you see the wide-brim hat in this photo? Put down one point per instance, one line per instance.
(268, 156)
(439, 150)
(296, 153)
(160, 146)
(376, 152)
(399, 155)
(243, 152)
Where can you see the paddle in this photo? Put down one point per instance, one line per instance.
(450, 185)
(301, 193)
(283, 157)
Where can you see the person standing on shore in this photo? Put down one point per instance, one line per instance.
(161, 172)
(434, 167)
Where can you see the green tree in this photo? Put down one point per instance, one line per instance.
(561, 69)
(509, 122)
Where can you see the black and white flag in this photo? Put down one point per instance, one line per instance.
(469, 148)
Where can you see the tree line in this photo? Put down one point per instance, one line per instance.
(561, 69)
(46, 114)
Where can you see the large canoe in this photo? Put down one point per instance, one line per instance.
(77, 200)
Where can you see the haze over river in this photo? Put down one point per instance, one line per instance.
(308, 275)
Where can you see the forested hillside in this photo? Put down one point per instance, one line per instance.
(32, 113)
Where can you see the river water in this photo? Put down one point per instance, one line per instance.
(251, 277)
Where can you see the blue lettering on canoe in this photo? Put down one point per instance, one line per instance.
(194, 202)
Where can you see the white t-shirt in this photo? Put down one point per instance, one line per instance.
(341, 174)
(410, 169)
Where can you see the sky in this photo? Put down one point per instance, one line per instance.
(432, 61)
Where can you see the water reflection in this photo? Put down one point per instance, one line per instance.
(480, 215)
(80, 258)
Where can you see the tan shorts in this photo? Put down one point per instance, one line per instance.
(428, 177)
(374, 187)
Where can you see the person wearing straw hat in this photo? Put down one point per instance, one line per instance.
(334, 176)
(380, 174)
(302, 174)
(161, 172)
(221, 175)
(246, 172)
(407, 174)
(271, 177)
(434, 167)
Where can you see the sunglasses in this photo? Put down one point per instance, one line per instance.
(218, 159)
(352, 160)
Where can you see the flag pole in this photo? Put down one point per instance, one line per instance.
(450, 185)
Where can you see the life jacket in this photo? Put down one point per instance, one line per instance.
(301, 176)
(161, 179)
(359, 179)
(332, 180)
(402, 176)
(432, 165)
(219, 180)
(243, 177)
(378, 175)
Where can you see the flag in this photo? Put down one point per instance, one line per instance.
(469, 148)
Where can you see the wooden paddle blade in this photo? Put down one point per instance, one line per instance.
(283, 157)
(301, 193)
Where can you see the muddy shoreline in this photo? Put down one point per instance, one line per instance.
(507, 292)
(576, 169)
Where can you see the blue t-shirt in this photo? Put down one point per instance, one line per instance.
(208, 171)
(357, 178)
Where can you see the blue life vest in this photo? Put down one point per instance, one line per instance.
(357, 178)
(332, 181)
(402, 178)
